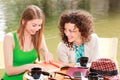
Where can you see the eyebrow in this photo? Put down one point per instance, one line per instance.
(75, 27)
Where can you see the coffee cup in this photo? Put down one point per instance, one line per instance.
(36, 72)
(93, 76)
(83, 61)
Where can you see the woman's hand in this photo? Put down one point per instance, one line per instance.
(44, 50)
(48, 57)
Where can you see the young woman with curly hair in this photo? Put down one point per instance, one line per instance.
(78, 37)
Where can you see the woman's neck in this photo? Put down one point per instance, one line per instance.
(78, 42)
(27, 42)
(27, 35)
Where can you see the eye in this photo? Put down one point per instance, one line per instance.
(39, 25)
(34, 25)
(70, 31)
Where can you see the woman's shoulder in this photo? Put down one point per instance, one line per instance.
(9, 36)
(94, 35)
(94, 38)
(61, 44)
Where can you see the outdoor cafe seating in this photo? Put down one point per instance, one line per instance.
(108, 49)
(107, 46)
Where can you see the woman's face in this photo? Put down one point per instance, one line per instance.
(72, 32)
(33, 26)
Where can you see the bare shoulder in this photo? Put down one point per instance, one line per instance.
(9, 34)
(8, 37)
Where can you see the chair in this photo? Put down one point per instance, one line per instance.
(2, 66)
(108, 48)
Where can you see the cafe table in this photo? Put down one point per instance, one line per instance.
(51, 68)
(59, 75)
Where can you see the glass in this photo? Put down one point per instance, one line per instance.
(83, 61)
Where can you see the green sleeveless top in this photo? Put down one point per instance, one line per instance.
(20, 58)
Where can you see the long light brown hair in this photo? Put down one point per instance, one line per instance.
(30, 13)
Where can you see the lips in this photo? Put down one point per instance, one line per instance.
(69, 39)
(33, 32)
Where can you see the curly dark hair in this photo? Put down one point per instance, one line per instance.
(82, 20)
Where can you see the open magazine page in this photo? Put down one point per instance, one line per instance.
(47, 67)
(51, 67)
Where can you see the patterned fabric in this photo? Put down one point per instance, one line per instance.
(105, 67)
(79, 51)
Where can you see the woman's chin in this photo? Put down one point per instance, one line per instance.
(32, 33)
(70, 41)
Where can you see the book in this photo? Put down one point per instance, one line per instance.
(50, 67)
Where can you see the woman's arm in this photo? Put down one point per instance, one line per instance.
(65, 55)
(8, 56)
(91, 48)
(45, 52)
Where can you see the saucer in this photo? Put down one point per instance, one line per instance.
(78, 65)
(29, 77)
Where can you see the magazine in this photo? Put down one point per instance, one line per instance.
(51, 67)
(77, 72)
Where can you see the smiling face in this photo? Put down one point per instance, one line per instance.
(33, 26)
(72, 32)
